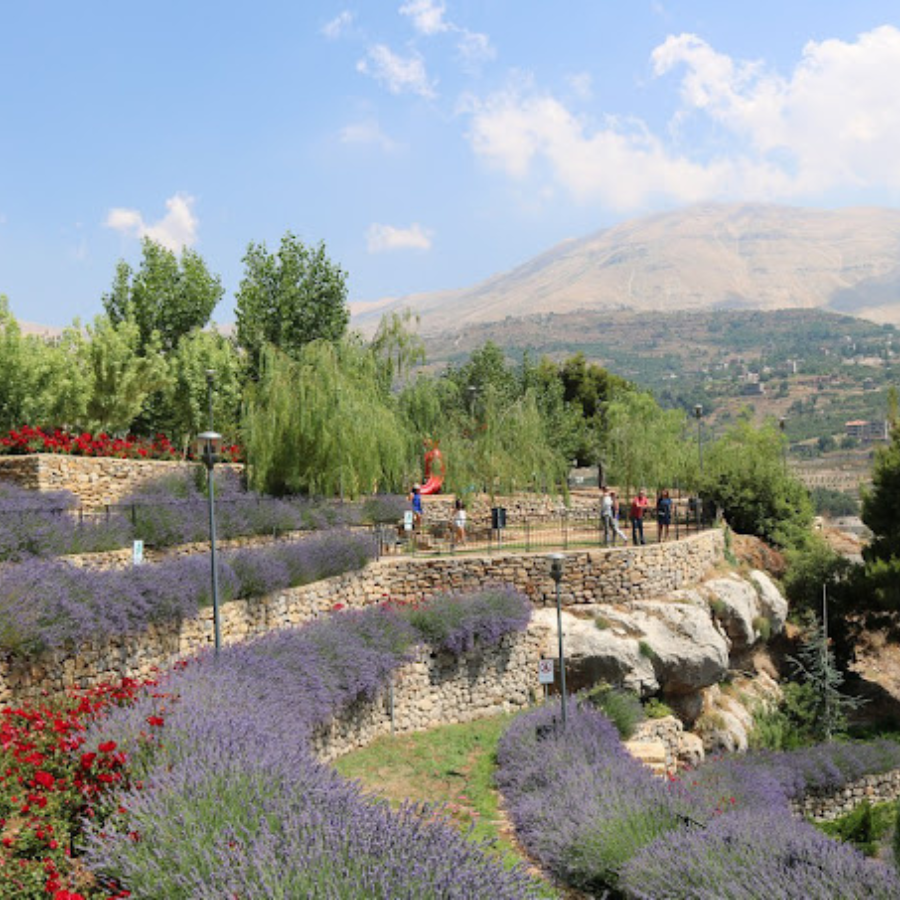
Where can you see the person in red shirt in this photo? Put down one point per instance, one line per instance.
(638, 507)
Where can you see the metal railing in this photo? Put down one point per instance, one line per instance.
(571, 531)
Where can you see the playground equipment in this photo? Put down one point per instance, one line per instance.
(435, 469)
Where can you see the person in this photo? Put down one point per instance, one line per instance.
(638, 508)
(416, 498)
(606, 516)
(459, 522)
(615, 519)
(664, 515)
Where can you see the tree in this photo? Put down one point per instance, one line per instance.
(644, 444)
(166, 295)
(880, 505)
(119, 378)
(397, 347)
(322, 424)
(744, 475)
(186, 399)
(17, 370)
(289, 299)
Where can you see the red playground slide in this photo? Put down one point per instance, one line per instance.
(434, 469)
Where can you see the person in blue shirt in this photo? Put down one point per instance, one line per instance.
(416, 498)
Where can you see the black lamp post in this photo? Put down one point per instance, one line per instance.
(557, 563)
(209, 445)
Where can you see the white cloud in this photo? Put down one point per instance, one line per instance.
(582, 85)
(836, 117)
(338, 25)
(400, 75)
(742, 130)
(176, 230)
(367, 132)
(381, 238)
(474, 49)
(427, 16)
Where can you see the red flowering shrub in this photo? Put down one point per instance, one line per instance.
(35, 440)
(48, 784)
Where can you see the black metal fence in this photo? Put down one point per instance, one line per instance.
(570, 531)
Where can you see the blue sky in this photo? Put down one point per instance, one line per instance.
(429, 144)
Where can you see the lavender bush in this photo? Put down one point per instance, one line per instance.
(41, 524)
(234, 804)
(46, 604)
(173, 510)
(581, 804)
(597, 819)
(456, 622)
(753, 854)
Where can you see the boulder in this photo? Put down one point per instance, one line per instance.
(772, 603)
(686, 649)
(594, 654)
(735, 604)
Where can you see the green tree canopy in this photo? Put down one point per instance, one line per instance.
(289, 299)
(165, 295)
(880, 512)
(744, 474)
(322, 424)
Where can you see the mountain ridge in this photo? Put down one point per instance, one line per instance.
(709, 256)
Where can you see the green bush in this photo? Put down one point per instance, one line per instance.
(647, 651)
(762, 625)
(864, 827)
(655, 708)
(623, 708)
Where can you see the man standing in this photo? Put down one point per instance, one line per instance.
(638, 508)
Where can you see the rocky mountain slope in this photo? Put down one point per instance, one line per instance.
(720, 256)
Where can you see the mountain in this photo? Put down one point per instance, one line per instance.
(715, 256)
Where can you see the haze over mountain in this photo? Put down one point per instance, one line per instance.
(716, 256)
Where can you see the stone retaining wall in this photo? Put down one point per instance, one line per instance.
(441, 689)
(595, 576)
(96, 481)
(824, 806)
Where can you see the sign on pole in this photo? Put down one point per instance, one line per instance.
(408, 520)
(545, 671)
(137, 553)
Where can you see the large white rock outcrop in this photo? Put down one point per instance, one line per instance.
(772, 603)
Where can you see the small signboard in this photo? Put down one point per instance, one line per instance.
(408, 520)
(137, 553)
(545, 671)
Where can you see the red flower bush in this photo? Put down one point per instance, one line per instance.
(35, 440)
(48, 786)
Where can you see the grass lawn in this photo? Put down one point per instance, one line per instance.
(452, 765)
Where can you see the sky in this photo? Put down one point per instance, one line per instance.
(429, 143)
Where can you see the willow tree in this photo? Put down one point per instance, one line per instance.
(644, 443)
(508, 447)
(323, 424)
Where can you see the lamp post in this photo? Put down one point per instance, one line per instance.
(557, 563)
(698, 414)
(208, 447)
(210, 377)
(781, 424)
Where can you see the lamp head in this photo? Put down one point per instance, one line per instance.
(207, 447)
(698, 410)
(557, 564)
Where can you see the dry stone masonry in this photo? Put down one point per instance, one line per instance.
(441, 689)
(96, 481)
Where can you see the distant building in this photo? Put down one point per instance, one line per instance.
(863, 430)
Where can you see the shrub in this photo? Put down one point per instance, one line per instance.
(655, 708)
(750, 854)
(623, 708)
(601, 622)
(762, 625)
(647, 651)
(457, 622)
(236, 804)
(46, 604)
(581, 804)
